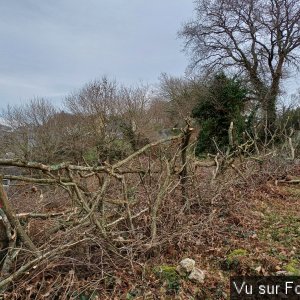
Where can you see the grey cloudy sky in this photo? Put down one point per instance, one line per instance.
(50, 48)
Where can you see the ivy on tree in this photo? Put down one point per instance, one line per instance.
(223, 103)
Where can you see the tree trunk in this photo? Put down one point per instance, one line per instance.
(269, 108)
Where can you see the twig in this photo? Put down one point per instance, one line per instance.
(123, 218)
(36, 261)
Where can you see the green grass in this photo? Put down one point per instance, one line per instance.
(283, 229)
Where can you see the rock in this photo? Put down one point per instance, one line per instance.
(197, 275)
(187, 265)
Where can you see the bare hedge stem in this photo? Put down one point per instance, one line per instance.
(14, 221)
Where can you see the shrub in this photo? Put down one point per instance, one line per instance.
(223, 103)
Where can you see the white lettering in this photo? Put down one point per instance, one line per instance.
(239, 290)
(288, 286)
(272, 289)
(248, 288)
(297, 289)
(262, 289)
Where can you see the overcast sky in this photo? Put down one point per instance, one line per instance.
(50, 48)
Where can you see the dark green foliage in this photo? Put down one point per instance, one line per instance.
(169, 277)
(223, 103)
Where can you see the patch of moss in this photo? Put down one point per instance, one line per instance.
(232, 259)
(293, 267)
(169, 276)
(236, 253)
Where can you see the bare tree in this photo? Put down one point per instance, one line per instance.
(33, 132)
(133, 110)
(182, 94)
(115, 117)
(96, 105)
(256, 37)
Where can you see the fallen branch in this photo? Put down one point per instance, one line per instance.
(123, 218)
(34, 180)
(11, 236)
(34, 262)
(142, 150)
(293, 181)
(204, 164)
(41, 215)
(234, 167)
(14, 221)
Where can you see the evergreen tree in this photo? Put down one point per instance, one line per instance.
(223, 103)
